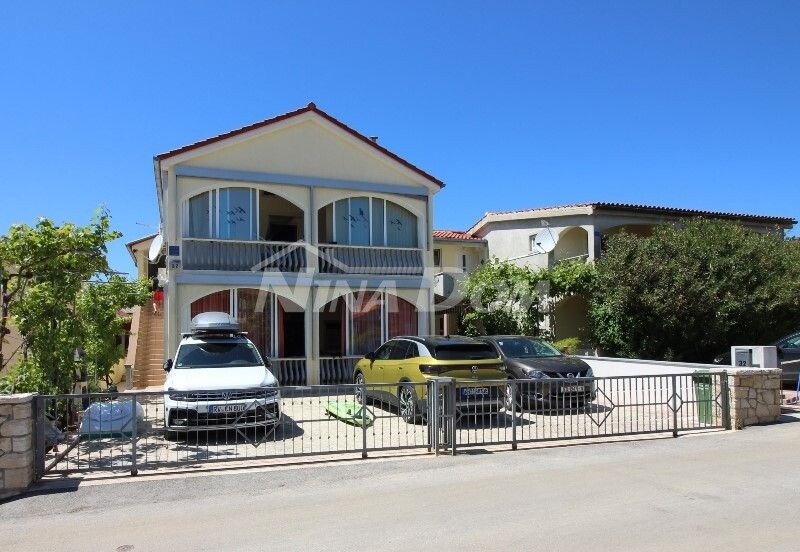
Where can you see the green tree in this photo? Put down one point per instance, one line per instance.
(98, 309)
(503, 299)
(509, 299)
(690, 291)
(43, 272)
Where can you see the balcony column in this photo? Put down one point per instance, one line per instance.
(312, 338)
(311, 233)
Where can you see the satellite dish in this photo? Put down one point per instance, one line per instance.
(545, 241)
(155, 248)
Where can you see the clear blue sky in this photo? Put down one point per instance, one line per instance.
(513, 105)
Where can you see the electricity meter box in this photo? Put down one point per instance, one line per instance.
(754, 356)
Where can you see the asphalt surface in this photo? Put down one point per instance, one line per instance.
(727, 490)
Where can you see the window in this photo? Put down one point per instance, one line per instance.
(464, 263)
(385, 351)
(366, 312)
(367, 221)
(217, 355)
(401, 226)
(532, 246)
(227, 213)
(199, 223)
(236, 220)
(399, 351)
(465, 351)
(437, 257)
(522, 347)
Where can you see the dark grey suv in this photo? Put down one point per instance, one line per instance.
(545, 377)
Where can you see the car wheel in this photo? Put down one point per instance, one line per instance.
(407, 398)
(359, 391)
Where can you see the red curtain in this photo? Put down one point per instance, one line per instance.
(366, 336)
(254, 316)
(214, 302)
(402, 317)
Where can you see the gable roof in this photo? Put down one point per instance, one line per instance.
(649, 210)
(454, 235)
(310, 108)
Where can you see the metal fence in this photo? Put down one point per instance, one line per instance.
(578, 408)
(89, 432)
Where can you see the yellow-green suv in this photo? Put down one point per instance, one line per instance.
(408, 362)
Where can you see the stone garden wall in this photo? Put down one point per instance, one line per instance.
(755, 396)
(16, 442)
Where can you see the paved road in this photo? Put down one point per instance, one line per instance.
(731, 491)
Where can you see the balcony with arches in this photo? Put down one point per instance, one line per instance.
(254, 229)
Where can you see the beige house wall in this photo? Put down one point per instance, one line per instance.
(318, 156)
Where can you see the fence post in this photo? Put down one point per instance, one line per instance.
(39, 452)
(134, 432)
(726, 400)
(512, 387)
(433, 416)
(450, 412)
(675, 406)
(363, 420)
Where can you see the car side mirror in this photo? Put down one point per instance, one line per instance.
(168, 365)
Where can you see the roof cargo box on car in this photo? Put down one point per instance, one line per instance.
(214, 322)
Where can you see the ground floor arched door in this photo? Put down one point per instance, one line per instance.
(274, 324)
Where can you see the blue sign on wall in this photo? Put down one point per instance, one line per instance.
(174, 250)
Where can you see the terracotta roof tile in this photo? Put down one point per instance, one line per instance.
(454, 235)
(658, 210)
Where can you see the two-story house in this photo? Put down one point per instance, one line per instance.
(317, 238)
(541, 237)
(455, 255)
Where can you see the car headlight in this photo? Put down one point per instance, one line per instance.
(536, 374)
(176, 395)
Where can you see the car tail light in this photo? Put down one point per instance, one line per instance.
(433, 369)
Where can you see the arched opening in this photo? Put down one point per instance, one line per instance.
(244, 214)
(357, 323)
(367, 221)
(573, 244)
(275, 324)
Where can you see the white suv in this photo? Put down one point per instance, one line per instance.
(218, 380)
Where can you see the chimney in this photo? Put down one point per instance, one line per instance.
(374, 139)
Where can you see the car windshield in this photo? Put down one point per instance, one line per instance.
(217, 355)
(464, 351)
(522, 347)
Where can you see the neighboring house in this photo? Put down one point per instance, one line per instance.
(578, 232)
(315, 236)
(455, 255)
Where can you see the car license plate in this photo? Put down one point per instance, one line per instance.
(225, 408)
(468, 392)
(572, 389)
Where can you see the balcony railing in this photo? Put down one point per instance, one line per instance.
(335, 370)
(215, 254)
(289, 371)
(349, 259)
(204, 254)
